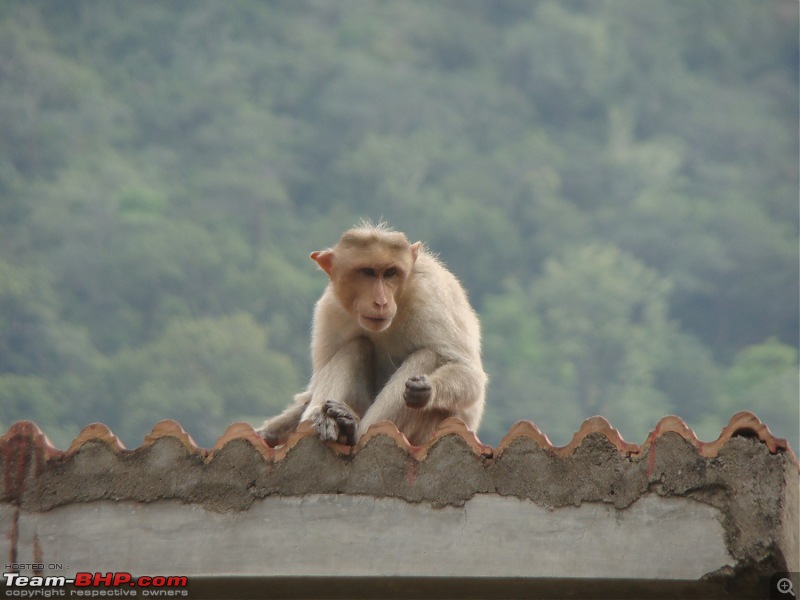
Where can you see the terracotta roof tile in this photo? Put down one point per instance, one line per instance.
(98, 433)
(24, 449)
(741, 423)
(450, 426)
(390, 430)
(304, 431)
(596, 466)
(173, 429)
(524, 429)
(29, 431)
(243, 431)
(455, 426)
(527, 429)
(746, 421)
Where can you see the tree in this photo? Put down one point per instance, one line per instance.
(763, 378)
(204, 373)
(605, 316)
(527, 380)
(165, 163)
(33, 338)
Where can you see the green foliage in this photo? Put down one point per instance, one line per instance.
(598, 338)
(756, 364)
(766, 375)
(201, 372)
(22, 396)
(614, 181)
(606, 314)
(33, 339)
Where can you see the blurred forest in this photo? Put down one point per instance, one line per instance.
(614, 181)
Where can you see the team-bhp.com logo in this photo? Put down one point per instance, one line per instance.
(95, 585)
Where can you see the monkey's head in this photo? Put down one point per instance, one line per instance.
(368, 269)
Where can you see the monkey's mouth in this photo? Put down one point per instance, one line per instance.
(375, 323)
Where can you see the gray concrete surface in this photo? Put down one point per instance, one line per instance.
(339, 535)
(671, 511)
(8, 533)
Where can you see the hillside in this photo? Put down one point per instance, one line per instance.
(615, 182)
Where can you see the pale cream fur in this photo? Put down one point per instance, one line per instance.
(434, 332)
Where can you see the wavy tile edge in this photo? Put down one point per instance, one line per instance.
(29, 430)
(741, 422)
(596, 424)
(172, 429)
(98, 433)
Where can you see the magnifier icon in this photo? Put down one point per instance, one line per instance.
(785, 586)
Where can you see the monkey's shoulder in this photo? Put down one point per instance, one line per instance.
(431, 274)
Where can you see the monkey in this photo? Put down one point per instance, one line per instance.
(393, 337)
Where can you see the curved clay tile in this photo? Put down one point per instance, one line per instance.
(173, 429)
(741, 422)
(390, 430)
(524, 429)
(96, 432)
(598, 424)
(449, 426)
(672, 424)
(28, 430)
(745, 421)
(456, 426)
(306, 430)
(242, 431)
(591, 425)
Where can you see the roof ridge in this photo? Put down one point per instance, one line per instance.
(450, 426)
(595, 424)
(744, 421)
(31, 431)
(96, 432)
(173, 429)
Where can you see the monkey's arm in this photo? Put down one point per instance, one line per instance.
(277, 429)
(423, 392)
(341, 391)
(453, 387)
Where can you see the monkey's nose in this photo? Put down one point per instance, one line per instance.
(380, 301)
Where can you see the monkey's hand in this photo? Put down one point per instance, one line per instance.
(335, 422)
(270, 437)
(418, 391)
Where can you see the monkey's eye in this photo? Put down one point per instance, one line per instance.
(390, 272)
(367, 272)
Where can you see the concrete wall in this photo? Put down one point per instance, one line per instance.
(342, 535)
(721, 514)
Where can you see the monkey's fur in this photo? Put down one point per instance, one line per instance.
(394, 337)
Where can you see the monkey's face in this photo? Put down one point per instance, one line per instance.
(373, 295)
(368, 281)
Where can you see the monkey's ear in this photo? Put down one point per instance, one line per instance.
(324, 258)
(415, 247)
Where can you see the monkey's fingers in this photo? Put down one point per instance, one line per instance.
(346, 421)
(418, 391)
(324, 426)
(274, 433)
(269, 437)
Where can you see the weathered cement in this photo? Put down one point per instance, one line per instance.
(337, 535)
(8, 532)
(747, 493)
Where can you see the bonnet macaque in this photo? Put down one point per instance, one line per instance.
(394, 337)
